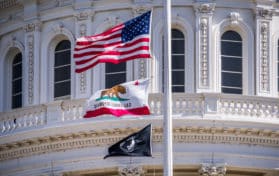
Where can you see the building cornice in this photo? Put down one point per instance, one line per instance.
(84, 139)
(9, 3)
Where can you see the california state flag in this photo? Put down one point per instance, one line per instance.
(129, 98)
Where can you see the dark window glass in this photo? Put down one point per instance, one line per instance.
(62, 74)
(115, 74)
(17, 101)
(178, 61)
(17, 86)
(232, 90)
(62, 89)
(62, 69)
(231, 79)
(17, 81)
(65, 44)
(231, 63)
(231, 48)
(178, 88)
(62, 54)
(176, 78)
(231, 35)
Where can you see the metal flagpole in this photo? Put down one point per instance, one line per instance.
(168, 160)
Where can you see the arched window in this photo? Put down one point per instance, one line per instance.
(231, 63)
(17, 81)
(62, 70)
(178, 61)
(115, 74)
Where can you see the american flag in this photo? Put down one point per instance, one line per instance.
(124, 42)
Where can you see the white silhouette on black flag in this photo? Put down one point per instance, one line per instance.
(137, 144)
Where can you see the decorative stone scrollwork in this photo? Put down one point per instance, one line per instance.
(82, 77)
(212, 170)
(9, 3)
(140, 9)
(112, 20)
(264, 31)
(31, 27)
(82, 30)
(131, 171)
(204, 12)
(203, 51)
(205, 8)
(234, 18)
(30, 40)
(265, 13)
(83, 15)
(58, 28)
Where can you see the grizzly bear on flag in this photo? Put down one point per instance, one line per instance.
(114, 91)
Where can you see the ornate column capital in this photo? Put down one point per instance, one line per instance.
(83, 15)
(141, 6)
(212, 170)
(264, 13)
(131, 171)
(204, 8)
(33, 26)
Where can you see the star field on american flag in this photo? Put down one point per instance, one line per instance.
(136, 27)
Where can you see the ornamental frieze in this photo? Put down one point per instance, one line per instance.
(217, 135)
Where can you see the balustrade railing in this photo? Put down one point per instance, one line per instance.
(199, 104)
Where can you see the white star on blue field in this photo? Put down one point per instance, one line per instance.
(136, 27)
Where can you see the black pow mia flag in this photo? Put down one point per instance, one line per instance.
(137, 144)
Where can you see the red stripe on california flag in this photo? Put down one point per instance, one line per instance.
(118, 112)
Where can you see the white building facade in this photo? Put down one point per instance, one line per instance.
(225, 67)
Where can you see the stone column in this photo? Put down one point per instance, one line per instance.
(263, 51)
(83, 80)
(32, 65)
(204, 62)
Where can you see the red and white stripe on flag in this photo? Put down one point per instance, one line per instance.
(124, 42)
(130, 98)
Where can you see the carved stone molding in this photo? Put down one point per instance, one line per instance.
(131, 171)
(58, 28)
(84, 15)
(82, 76)
(112, 20)
(31, 27)
(204, 8)
(142, 68)
(9, 3)
(264, 56)
(204, 71)
(106, 137)
(265, 14)
(234, 18)
(30, 45)
(212, 170)
(141, 8)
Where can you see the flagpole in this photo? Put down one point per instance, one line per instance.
(168, 160)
